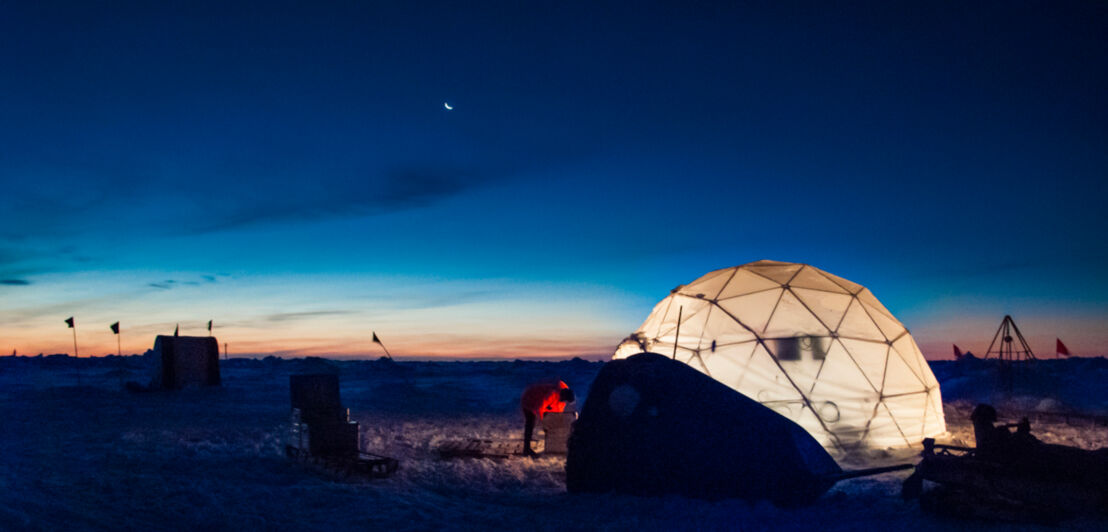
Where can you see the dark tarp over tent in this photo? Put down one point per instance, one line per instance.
(654, 426)
(181, 361)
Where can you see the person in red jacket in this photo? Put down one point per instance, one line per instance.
(537, 400)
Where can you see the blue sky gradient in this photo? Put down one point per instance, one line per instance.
(293, 160)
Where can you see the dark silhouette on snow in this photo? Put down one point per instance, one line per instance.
(322, 432)
(998, 442)
(1024, 453)
(1009, 476)
(181, 361)
(316, 397)
(654, 426)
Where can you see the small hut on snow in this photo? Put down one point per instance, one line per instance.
(181, 361)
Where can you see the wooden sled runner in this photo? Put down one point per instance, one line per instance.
(344, 460)
(479, 448)
(361, 464)
(556, 427)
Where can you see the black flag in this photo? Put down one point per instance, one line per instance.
(115, 327)
(69, 322)
(209, 325)
(177, 330)
(377, 340)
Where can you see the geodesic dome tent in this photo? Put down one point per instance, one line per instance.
(817, 348)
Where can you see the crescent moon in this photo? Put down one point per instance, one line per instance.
(447, 106)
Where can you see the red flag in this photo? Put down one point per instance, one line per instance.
(115, 327)
(957, 352)
(69, 322)
(1062, 351)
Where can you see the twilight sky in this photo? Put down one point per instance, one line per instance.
(288, 169)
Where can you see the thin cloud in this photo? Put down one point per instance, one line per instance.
(14, 282)
(170, 284)
(983, 267)
(23, 257)
(444, 300)
(243, 193)
(398, 189)
(291, 316)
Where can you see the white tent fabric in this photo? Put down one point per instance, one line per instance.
(819, 349)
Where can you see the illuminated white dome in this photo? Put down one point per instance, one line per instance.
(815, 347)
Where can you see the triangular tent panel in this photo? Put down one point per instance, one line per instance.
(865, 296)
(853, 368)
(745, 282)
(729, 360)
(720, 328)
(909, 352)
(899, 378)
(883, 425)
(752, 310)
(765, 379)
(829, 307)
(780, 272)
(849, 286)
(808, 277)
(857, 324)
(888, 325)
(709, 286)
(692, 318)
(911, 407)
(870, 358)
(811, 345)
(653, 322)
(792, 318)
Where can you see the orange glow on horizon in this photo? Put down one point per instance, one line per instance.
(244, 343)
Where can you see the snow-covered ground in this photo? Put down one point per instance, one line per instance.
(90, 456)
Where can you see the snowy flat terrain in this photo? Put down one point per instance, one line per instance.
(85, 455)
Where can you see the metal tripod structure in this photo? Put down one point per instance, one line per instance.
(1008, 352)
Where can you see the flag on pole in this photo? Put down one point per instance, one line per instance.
(1062, 351)
(177, 330)
(115, 327)
(957, 352)
(209, 326)
(72, 325)
(378, 341)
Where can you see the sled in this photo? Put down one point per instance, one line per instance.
(970, 486)
(479, 448)
(360, 464)
(335, 448)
